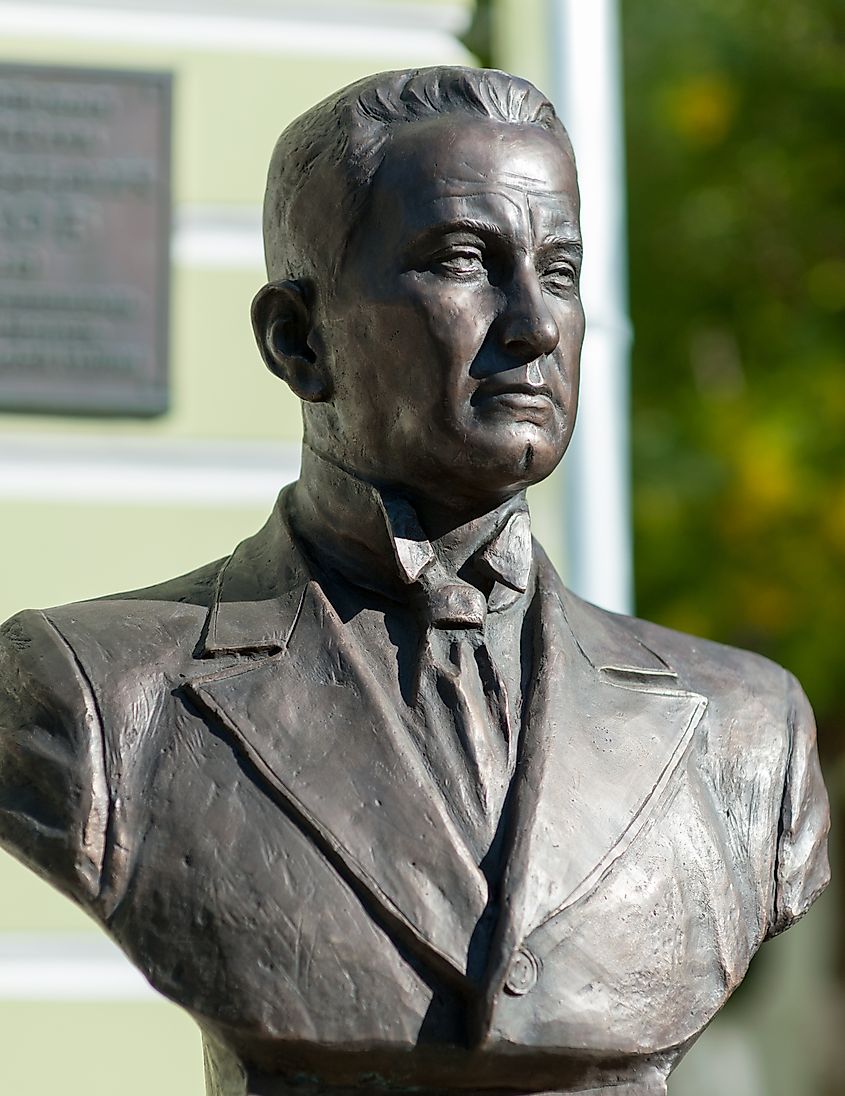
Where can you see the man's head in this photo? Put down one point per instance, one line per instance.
(421, 234)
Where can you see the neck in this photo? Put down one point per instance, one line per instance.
(339, 513)
(443, 520)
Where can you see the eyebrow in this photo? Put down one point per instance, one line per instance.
(473, 225)
(571, 243)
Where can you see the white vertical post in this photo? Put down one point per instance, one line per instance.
(586, 88)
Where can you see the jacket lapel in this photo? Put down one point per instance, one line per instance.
(607, 726)
(322, 739)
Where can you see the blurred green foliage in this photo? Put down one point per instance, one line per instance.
(736, 161)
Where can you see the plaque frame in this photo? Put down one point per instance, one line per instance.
(148, 396)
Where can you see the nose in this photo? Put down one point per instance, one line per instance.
(527, 329)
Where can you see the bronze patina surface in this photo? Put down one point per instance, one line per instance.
(376, 799)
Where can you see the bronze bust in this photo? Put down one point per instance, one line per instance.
(376, 799)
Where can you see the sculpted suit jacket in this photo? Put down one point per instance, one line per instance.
(299, 887)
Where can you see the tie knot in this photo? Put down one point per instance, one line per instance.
(457, 605)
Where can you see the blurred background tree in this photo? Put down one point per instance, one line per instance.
(735, 114)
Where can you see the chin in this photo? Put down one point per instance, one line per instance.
(510, 461)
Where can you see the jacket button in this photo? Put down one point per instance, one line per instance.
(522, 975)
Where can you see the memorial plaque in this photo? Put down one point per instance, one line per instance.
(84, 240)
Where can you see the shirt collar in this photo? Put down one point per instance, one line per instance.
(374, 536)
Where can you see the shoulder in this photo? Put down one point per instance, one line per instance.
(724, 675)
(46, 654)
(718, 671)
(53, 796)
(149, 627)
(38, 668)
(756, 710)
(59, 668)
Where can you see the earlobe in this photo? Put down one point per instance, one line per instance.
(282, 322)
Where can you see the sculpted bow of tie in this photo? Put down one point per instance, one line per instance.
(503, 563)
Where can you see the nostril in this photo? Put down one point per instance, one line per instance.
(532, 342)
(520, 348)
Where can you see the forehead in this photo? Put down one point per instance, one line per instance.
(458, 166)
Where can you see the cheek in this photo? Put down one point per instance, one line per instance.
(569, 315)
(570, 322)
(577, 323)
(453, 320)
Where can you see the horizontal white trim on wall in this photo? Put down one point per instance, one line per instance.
(144, 471)
(337, 31)
(218, 237)
(68, 967)
(452, 17)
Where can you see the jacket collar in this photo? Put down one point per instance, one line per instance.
(609, 641)
(258, 593)
(260, 586)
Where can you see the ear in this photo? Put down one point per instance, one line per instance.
(281, 320)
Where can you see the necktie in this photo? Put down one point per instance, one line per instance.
(464, 704)
(465, 730)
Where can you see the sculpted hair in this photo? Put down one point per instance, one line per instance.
(324, 162)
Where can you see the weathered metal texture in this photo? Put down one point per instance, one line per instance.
(376, 799)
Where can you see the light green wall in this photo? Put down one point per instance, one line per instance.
(72, 551)
(519, 39)
(99, 1050)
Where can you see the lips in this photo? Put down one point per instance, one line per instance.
(515, 396)
(518, 399)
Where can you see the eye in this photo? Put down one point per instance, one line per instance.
(560, 278)
(461, 262)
